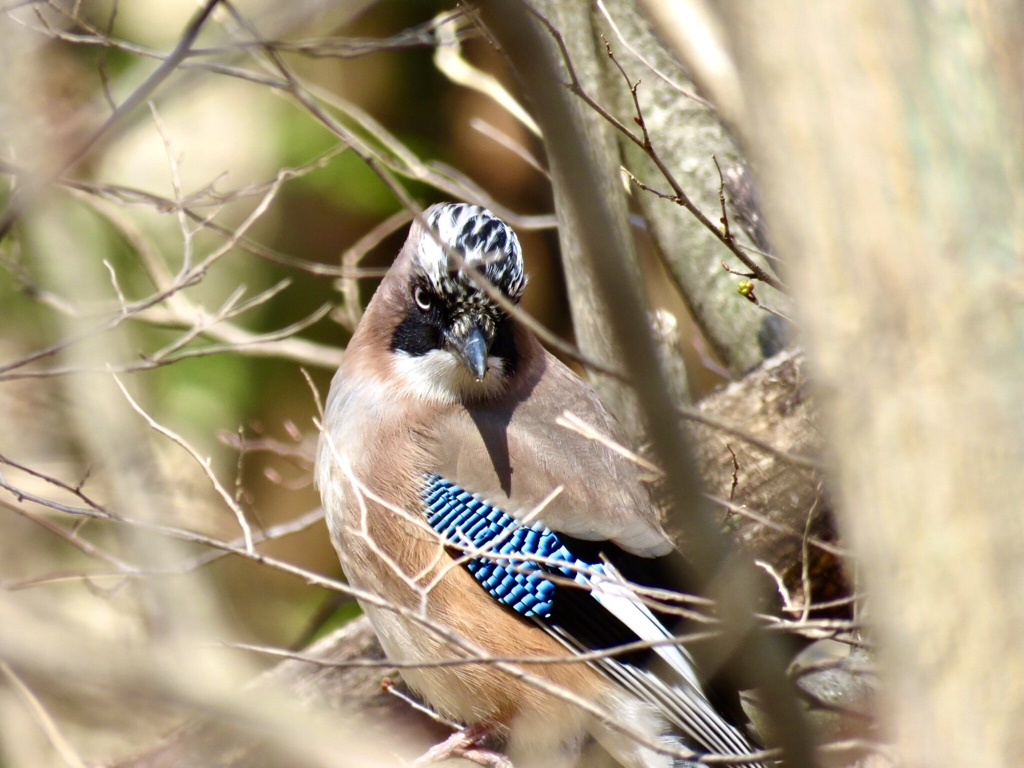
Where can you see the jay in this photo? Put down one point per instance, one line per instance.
(452, 491)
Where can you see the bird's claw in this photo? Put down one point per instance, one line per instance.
(467, 745)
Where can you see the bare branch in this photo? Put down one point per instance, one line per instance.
(28, 192)
(46, 722)
(204, 463)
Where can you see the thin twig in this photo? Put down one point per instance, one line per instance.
(46, 722)
(742, 509)
(643, 141)
(204, 463)
(689, 94)
(28, 192)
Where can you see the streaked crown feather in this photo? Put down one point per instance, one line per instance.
(484, 241)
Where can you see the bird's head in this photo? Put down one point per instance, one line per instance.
(450, 336)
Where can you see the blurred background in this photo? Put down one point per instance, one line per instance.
(211, 251)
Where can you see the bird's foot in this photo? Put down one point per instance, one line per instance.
(466, 744)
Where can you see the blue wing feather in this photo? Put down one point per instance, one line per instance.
(518, 561)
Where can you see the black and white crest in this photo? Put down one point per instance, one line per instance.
(484, 241)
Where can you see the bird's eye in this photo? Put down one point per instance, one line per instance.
(423, 299)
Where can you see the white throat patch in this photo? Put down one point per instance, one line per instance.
(438, 376)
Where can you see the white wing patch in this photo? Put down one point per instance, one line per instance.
(682, 702)
(619, 599)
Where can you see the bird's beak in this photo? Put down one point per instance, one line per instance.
(471, 349)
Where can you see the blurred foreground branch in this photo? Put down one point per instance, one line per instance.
(887, 139)
(353, 692)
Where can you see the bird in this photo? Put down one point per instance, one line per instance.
(456, 496)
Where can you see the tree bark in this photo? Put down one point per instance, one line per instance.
(591, 316)
(687, 135)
